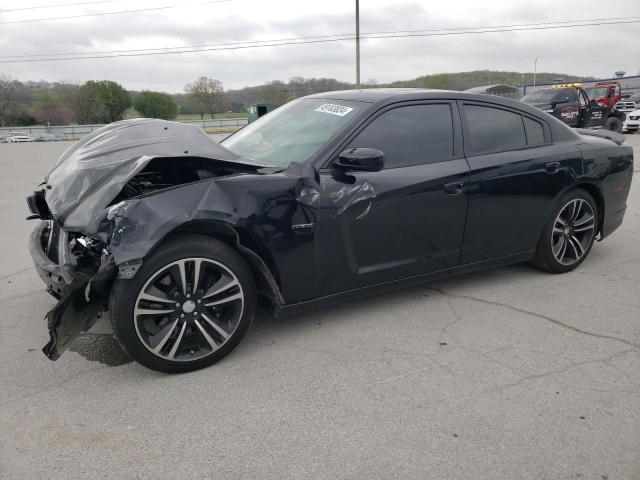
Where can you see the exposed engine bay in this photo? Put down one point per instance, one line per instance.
(162, 173)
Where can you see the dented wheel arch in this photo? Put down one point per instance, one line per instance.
(263, 268)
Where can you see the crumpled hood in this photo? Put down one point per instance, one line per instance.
(90, 174)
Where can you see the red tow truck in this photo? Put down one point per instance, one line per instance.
(606, 94)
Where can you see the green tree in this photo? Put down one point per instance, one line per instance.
(156, 105)
(87, 105)
(116, 99)
(100, 102)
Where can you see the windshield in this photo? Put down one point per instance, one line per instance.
(599, 92)
(293, 132)
(541, 96)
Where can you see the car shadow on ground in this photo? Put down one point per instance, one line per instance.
(103, 347)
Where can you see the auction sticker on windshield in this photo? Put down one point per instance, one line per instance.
(333, 109)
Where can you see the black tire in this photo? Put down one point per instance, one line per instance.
(544, 258)
(125, 297)
(614, 124)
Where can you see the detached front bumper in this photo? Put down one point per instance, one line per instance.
(43, 237)
(81, 296)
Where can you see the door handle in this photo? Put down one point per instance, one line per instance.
(453, 188)
(552, 167)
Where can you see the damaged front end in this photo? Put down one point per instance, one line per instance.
(78, 272)
(78, 248)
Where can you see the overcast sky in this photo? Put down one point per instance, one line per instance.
(597, 50)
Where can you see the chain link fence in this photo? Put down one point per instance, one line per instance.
(72, 132)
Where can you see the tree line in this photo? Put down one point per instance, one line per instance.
(101, 101)
(104, 101)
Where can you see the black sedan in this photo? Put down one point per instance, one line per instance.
(331, 197)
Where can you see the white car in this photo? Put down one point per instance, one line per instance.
(19, 137)
(632, 123)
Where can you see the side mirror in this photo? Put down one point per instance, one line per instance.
(560, 100)
(360, 160)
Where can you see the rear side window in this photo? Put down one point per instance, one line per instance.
(535, 132)
(410, 135)
(493, 129)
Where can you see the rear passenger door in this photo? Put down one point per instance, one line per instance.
(516, 173)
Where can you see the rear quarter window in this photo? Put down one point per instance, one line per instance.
(534, 132)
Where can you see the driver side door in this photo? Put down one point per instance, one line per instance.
(404, 220)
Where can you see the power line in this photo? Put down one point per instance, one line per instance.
(176, 47)
(302, 40)
(349, 35)
(39, 7)
(101, 14)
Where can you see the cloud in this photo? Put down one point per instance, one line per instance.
(595, 51)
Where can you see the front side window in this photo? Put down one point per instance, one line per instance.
(411, 135)
(294, 132)
(493, 129)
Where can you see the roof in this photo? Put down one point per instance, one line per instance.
(374, 95)
(381, 97)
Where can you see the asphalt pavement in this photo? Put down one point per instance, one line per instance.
(506, 374)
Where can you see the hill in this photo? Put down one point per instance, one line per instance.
(476, 78)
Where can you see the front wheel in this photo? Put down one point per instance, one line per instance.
(569, 234)
(614, 124)
(188, 306)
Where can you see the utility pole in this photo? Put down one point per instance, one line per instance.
(535, 70)
(357, 43)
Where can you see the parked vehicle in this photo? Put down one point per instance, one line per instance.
(629, 103)
(571, 104)
(19, 137)
(632, 123)
(47, 137)
(607, 94)
(328, 198)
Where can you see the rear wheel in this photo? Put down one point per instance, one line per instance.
(188, 306)
(614, 124)
(569, 233)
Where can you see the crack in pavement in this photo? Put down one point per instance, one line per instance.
(536, 376)
(537, 315)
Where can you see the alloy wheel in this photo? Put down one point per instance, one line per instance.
(188, 309)
(573, 231)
